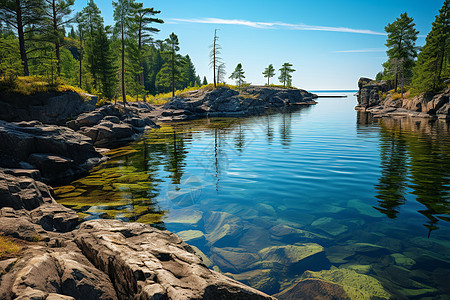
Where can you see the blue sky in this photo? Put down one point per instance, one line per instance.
(330, 43)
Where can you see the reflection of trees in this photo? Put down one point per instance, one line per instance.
(285, 129)
(269, 130)
(175, 157)
(428, 146)
(394, 170)
(239, 139)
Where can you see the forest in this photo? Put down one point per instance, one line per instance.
(418, 69)
(48, 40)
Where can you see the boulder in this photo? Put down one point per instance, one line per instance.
(49, 108)
(58, 153)
(144, 262)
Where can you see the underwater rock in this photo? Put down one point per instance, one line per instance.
(364, 208)
(266, 209)
(330, 226)
(265, 280)
(403, 260)
(290, 254)
(313, 288)
(355, 285)
(233, 260)
(184, 216)
(192, 236)
(222, 228)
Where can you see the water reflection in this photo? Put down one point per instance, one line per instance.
(415, 161)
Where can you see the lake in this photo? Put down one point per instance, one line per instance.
(323, 189)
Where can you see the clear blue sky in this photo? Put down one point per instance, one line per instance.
(330, 43)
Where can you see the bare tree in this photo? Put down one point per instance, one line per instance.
(214, 56)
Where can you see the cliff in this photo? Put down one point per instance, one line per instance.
(374, 97)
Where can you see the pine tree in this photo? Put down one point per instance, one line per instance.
(21, 16)
(433, 63)
(269, 72)
(188, 73)
(285, 74)
(105, 61)
(205, 82)
(170, 73)
(214, 56)
(142, 18)
(401, 41)
(56, 14)
(91, 23)
(238, 75)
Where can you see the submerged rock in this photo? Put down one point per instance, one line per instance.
(335, 284)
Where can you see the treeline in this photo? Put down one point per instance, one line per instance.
(425, 69)
(47, 38)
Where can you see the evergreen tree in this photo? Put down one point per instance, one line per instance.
(21, 16)
(205, 82)
(170, 73)
(238, 75)
(401, 41)
(188, 73)
(285, 74)
(214, 56)
(56, 14)
(433, 63)
(105, 61)
(221, 73)
(123, 25)
(269, 72)
(142, 18)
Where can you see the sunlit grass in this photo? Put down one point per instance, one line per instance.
(7, 247)
(29, 85)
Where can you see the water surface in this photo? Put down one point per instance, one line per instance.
(266, 198)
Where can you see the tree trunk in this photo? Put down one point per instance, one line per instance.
(141, 64)
(173, 71)
(57, 45)
(81, 57)
(124, 94)
(268, 80)
(23, 52)
(214, 58)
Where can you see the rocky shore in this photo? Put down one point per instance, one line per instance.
(59, 258)
(374, 97)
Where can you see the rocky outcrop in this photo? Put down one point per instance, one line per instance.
(226, 102)
(103, 259)
(373, 97)
(48, 108)
(112, 125)
(57, 152)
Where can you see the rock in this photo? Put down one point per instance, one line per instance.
(403, 260)
(266, 209)
(221, 228)
(192, 236)
(374, 97)
(58, 152)
(289, 234)
(184, 216)
(50, 108)
(355, 285)
(329, 226)
(290, 254)
(233, 260)
(152, 263)
(226, 102)
(264, 280)
(55, 217)
(313, 288)
(364, 208)
(41, 272)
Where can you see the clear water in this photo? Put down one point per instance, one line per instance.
(256, 194)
